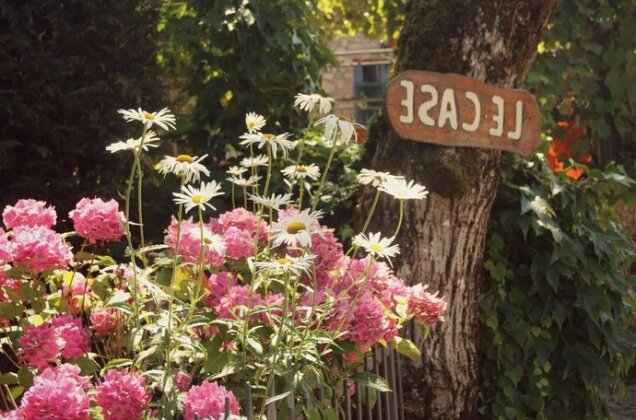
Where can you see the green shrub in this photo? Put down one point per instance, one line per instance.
(558, 296)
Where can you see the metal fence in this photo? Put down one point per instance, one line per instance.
(384, 362)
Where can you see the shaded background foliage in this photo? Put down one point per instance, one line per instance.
(66, 66)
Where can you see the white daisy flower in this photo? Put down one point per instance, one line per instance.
(254, 122)
(236, 171)
(242, 182)
(296, 229)
(212, 241)
(375, 178)
(274, 141)
(164, 118)
(334, 125)
(311, 171)
(377, 246)
(133, 144)
(198, 197)
(185, 166)
(402, 190)
(287, 264)
(273, 201)
(253, 162)
(308, 102)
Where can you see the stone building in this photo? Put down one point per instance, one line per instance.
(357, 84)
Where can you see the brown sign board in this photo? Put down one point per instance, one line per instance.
(455, 110)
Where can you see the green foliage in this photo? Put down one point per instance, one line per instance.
(587, 68)
(376, 19)
(558, 295)
(67, 66)
(230, 57)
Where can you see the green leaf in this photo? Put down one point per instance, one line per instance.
(87, 365)
(407, 348)
(277, 397)
(367, 379)
(10, 378)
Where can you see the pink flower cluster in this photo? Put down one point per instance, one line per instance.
(122, 395)
(207, 401)
(105, 320)
(426, 307)
(29, 213)
(39, 249)
(59, 393)
(98, 221)
(62, 336)
(190, 242)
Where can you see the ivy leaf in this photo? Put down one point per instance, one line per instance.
(407, 348)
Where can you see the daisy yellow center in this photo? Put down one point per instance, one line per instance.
(301, 169)
(269, 137)
(283, 261)
(295, 227)
(207, 241)
(376, 247)
(198, 198)
(149, 116)
(184, 159)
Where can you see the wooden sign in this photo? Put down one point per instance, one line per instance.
(455, 110)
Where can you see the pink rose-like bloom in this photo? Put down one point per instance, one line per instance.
(182, 380)
(39, 249)
(29, 213)
(57, 394)
(41, 345)
(238, 243)
(218, 285)
(122, 395)
(104, 320)
(327, 249)
(241, 219)
(207, 401)
(5, 249)
(73, 334)
(368, 322)
(236, 302)
(426, 307)
(190, 242)
(98, 221)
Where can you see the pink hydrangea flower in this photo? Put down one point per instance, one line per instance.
(238, 243)
(5, 249)
(105, 320)
(327, 249)
(13, 415)
(182, 380)
(122, 395)
(426, 307)
(218, 285)
(41, 346)
(190, 242)
(39, 248)
(29, 213)
(57, 394)
(236, 302)
(368, 322)
(98, 221)
(242, 219)
(207, 401)
(73, 334)
(79, 293)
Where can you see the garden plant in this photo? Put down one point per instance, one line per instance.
(261, 299)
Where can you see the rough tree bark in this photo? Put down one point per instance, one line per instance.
(443, 237)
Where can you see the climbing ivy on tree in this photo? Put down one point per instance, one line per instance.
(558, 295)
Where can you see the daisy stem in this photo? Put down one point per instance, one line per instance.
(233, 200)
(139, 188)
(301, 189)
(399, 225)
(170, 302)
(278, 346)
(373, 205)
(245, 197)
(323, 178)
(269, 170)
(301, 148)
(131, 250)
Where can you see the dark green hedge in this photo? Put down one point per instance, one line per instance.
(66, 66)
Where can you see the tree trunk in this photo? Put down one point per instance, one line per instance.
(443, 237)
